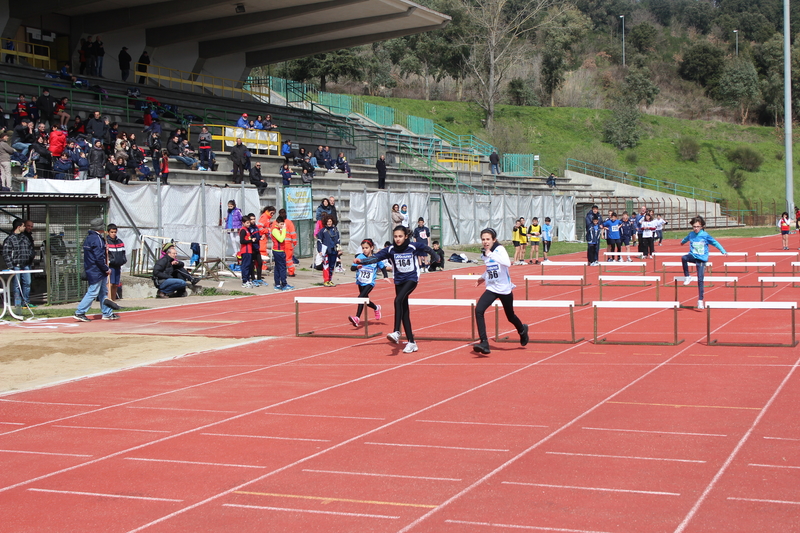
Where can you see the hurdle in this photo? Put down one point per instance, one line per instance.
(435, 302)
(681, 254)
(328, 300)
(540, 304)
(456, 277)
(718, 279)
(603, 280)
(669, 264)
(638, 305)
(757, 264)
(778, 255)
(542, 279)
(640, 267)
(790, 306)
(658, 255)
(565, 263)
(779, 279)
(626, 254)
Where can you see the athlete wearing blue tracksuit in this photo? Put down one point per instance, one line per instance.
(698, 241)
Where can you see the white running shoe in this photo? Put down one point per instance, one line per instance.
(411, 347)
(687, 280)
(394, 337)
(629, 259)
(700, 304)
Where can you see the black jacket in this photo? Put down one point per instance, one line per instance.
(46, 105)
(173, 148)
(238, 156)
(22, 135)
(381, 167)
(164, 269)
(494, 158)
(96, 127)
(97, 162)
(124, 60)
(255, 175)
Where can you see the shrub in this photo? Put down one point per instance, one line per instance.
(688, 149)
(632, 157)
(779, 155)
(622, 129)
(736, 177)
(746, 157)
(642, 171)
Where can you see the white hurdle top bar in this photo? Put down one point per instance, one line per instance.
(710, 279)
(751, 264)
(467, 276)
(679, 263)
(629, 278)
(752, 305)
(565, 263)
(779, 279)
(553, 278)
(329, 300)
(440, 302)
(624, 304)
(539, 303)
(776, 254)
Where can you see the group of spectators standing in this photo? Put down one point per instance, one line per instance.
(92, 56)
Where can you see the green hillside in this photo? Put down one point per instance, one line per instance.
(556, 133)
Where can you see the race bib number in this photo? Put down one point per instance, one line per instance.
(698, 247)
(423, 235)
(365, 275)
(492, 272)
(615, 228)
(404, 262)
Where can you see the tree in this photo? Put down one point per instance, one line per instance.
(520, 93)
(622, 129)
(739, 86)
(378, 69)
(639, 87)
(329, 66)
(643, 37)
(496, 39)
(699, 15)
(702, 63)
(768, 60)
(566, 29)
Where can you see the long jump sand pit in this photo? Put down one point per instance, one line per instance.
(33, 358)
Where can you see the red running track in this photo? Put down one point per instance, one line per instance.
(297, 434)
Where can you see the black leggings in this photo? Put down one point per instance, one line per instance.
(363, 292)
(258, 264)
(402, 291)
(485, 301)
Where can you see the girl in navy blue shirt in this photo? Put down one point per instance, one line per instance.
(403, 256)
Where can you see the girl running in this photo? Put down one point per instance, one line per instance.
(498, 285)
(402, 255)
(785, 226)
(698, 254)
(365, 279)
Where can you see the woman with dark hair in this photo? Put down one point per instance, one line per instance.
(323, 208)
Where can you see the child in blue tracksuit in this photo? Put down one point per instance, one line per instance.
(403, 256)
(698, 241)
(593, 233)
(547, 237)
(365, 280)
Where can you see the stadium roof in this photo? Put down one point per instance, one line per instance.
(265, 31)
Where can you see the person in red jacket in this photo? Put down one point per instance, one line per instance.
(60, 112)
(58, 141)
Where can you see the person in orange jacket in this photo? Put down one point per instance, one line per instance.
(265, 228)
(291, 243)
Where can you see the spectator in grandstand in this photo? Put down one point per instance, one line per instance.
(96, 127)
(23, 137)
(324, 208)
(97, 160)
(380, 166)
(121, 149)
(327, 158)
(83, 165)
(154, 143)
(551, 181)
(308, 169)
(117, 170)
(167, 277)
(91, 58)
(175, 152)
(164, 167)
(257, 180)
(136, 163)
(243, 122)
(124, 64)
(494, 163)
(95, 265)
(141, 66)
(46, 105)
(343, 165)
(58, 141)
(63, 168)
(78, 128)
(21, 110)
(61, 112)
(267, 124)
(397, 216)
(313, 160)
(99, 52)
(319, 156)
(204, 144)
(5, 161)
(286, 174)
(334, 213)
(238, 160)
(301, 156)
(287, 152)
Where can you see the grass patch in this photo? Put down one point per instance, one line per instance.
(213, 291)
(60, 312)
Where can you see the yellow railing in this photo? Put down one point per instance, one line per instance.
(458, 160)
(38, 55)
(224, 136)
(189, 81)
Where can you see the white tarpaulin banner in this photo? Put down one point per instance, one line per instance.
(63, 186)
(269, 139)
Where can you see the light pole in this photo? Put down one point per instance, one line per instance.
(623, 39)
(737, 42)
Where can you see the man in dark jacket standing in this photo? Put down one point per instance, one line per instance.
(95, 264)
(494, 163)
(124, 63)
(96, 127)
(381, 168)
(238, 159)
(46, 106)
(144, 60)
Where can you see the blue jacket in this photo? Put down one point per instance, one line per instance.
(330, 238)
(404, 260)
(94, 257)
(63, 170)
(286, 149)
(698, 247)
(593, 234)
(242, 123)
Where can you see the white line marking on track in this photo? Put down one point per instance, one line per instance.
(599, 489)
(628, 457)
(381, 475)
(106, 495)
(326, 416)
(433, 446)
(179, 409)
(482, 423)
(52, 403)
(190, 462)
(519, 526)
(114, 429)
(780, 438)
(263, 508)
(763, 501)
(657, 432)
(45, 453)
(773, 466)
(13, 423)
(264, 437)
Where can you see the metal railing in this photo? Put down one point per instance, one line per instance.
(437, 175)
(642, 181)
(518, 164)
(459, 160)
(463, 142)
(182, 80)
(37, 55)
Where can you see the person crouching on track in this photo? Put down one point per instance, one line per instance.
(498, 286)
(365, 280)
(698, 254)
(403, 256)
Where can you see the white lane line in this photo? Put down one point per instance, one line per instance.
(264, 437)
(519, 526)
(114, 429)
(658, 432)
(482, 423)
(52, 403)
(45, 453)
(628, 457)
(764, 501)
(433, 446)
(13, 423)
(781, 438)
(326, 416)
(599, 489)
(773, 466)
(179, 409)
(264, 508)
(381, 475)
(190, 462)
(106, 495)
